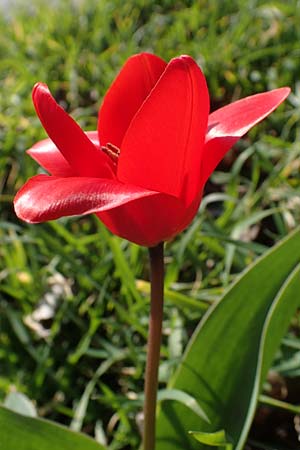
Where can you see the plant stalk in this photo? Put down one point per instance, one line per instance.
(156, 255)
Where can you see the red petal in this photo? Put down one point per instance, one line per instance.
(77, 149)
(45, 197)
(47, 155)
(162, 148)
(228, 124)
(94, 137)
(125, 96)
(150, 220)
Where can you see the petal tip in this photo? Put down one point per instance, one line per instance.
(184, 59)
(280, 93)
(38, 92)
(285, 91)
(39, 86)
(18, 207)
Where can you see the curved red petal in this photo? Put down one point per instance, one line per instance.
(77, 149)
(228, 124)
(126, 94)
(94, 137)
(162, 148)
(46, 197)
(47, 155)
(149, 221)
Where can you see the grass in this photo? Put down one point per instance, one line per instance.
(83, 364)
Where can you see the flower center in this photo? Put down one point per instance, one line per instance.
(112, 151)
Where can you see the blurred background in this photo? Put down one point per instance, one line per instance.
(67, 341)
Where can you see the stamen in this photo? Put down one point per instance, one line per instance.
(112, 151)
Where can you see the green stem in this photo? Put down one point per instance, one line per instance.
(270, 401)
(154, 340)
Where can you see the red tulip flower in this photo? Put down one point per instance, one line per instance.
(144, 170)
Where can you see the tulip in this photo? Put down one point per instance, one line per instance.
(143, 172)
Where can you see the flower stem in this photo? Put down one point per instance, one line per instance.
(154, 340)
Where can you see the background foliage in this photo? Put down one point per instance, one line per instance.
(66, 338)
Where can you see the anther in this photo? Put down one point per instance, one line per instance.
(112, 151)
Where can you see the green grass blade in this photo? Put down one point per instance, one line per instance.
(184, 398)
(39, 434)
(217, 439)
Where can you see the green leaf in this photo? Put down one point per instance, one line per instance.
(229, 354)
(25, 433)
(184, 398)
